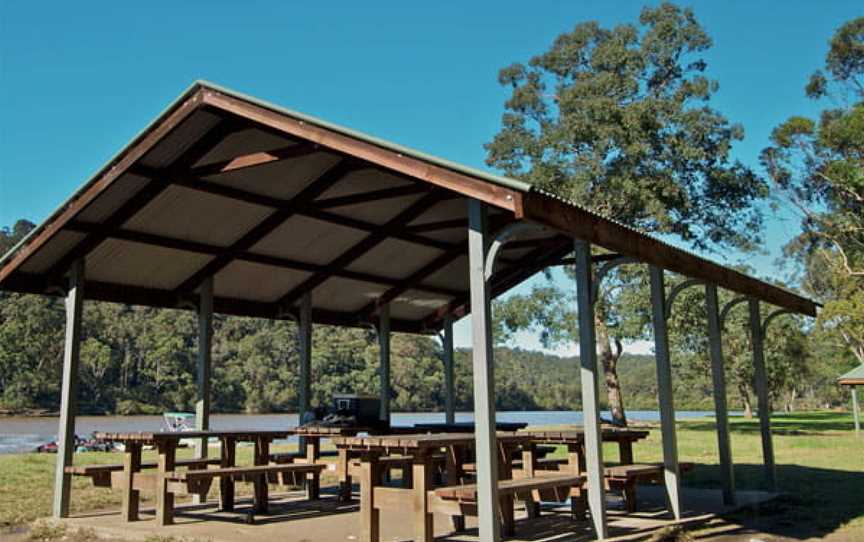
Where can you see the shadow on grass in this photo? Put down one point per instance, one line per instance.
(814, 502)
(810, 423)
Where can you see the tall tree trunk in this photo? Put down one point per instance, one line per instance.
(610, 369)
(745, 398)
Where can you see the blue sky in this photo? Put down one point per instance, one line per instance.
(78, 80)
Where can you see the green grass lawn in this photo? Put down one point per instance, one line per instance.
(820, 465)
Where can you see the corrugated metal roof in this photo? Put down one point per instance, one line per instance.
(856, 375)
(199, 212)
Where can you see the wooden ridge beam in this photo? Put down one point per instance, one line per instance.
(327, 179)
(214, 250)
(588, 226)
(372, 240)
(159, 298)
(151, 190)
(392, 160)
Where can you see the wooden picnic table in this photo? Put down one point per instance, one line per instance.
(166, 443)
(311, 436)
(421, 448)
(574, 440)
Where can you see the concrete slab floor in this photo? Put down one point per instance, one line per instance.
(291, 518)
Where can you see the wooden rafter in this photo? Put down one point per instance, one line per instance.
(317, 187)
(374, 195)
(371, 241)
(439, 225)
(313, 209)
(155, 297)
(213, 250)
(147, 194)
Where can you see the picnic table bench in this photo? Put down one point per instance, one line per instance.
(461, 500)
(168, 481)
(418, 500)
(111, 475)
(625, 478)
(197, 482)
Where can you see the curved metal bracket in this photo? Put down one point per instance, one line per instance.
(676, 290)
(728, 307)
(773, 315)
(604, 270)
(501, 238)
(59, 290)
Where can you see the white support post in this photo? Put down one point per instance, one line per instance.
(384, 360)
(304, 343)
(484, 379)
(763, 403)
(590, 389)
(449, 383)
(205, 344)
(664, 391)
(856, 411)
(69, 390)
(718, 377)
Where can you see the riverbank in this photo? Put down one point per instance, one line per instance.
(820, 467)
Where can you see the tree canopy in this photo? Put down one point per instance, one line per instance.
(817, 169)
(619, 121)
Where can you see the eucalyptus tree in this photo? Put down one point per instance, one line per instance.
(619, 121)
(817, 169)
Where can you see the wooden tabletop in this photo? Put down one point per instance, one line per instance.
(422, 440)
(151, 437)
(567, 436)
(465, 427)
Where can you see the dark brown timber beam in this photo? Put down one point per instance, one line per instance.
(468, 185)
(154, 133)
(582, 224)
(153, 297)
(371, 241)
(213, 250)
(313, 210)
(375, 195)
(147, 194)
(273, 221)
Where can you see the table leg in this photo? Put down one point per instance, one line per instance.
(454, 477)
(226, 484)
(313, 455)
(625, 451)
(164, 498)
(421, 474)
(532, 505)
(578, 495)
(506, 502)
(261, 457)
(369, 516)
(342, 464)
(131, 467)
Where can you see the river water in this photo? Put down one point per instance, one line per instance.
(23, 434)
